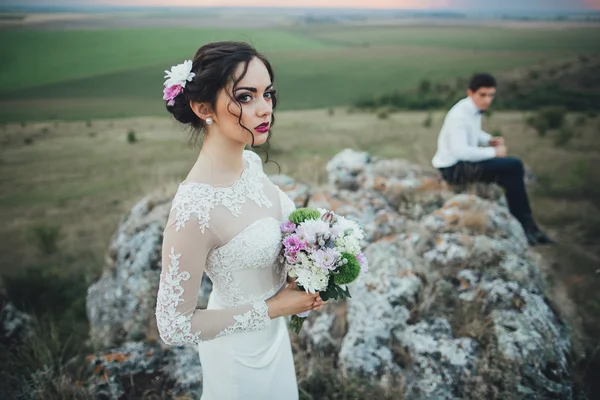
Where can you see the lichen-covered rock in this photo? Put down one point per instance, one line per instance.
(370, 210)
(344, 170)
(454, 299)
(133, 368)
(381, 302)
(439, 362)
(120, 306)
(16, 326)
(297, 191)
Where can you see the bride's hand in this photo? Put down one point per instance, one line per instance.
(291, 301)
(318, 303)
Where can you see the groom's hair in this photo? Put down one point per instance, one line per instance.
(481, 80)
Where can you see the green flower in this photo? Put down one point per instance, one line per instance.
(302, 214)
(348, 271)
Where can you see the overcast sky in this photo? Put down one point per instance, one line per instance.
(531, 5)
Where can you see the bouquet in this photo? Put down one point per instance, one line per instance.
(321, 251)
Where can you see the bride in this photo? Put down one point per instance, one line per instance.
(224, 221)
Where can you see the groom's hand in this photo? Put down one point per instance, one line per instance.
(500, 151)
(497, 141)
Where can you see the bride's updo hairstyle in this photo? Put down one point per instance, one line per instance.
(212, 69)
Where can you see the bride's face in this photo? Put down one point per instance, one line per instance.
(254, 93)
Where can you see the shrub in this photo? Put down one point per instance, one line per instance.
(512, 87)
(53, 292)
(581, 120)
(45, 366)
(382, 114)
(428, 121)
(131, 137)
(46, 237)
(537, 123)
(534, 74)
(553, 116)
(365, 102)
(331, 111)
(496, 133)
(88, 123)
(562, 137)
(28, 140)
(425, 86)
(591, 227)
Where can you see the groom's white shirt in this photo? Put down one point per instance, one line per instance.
(461, 136)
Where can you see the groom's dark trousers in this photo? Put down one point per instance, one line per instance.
(508, 172)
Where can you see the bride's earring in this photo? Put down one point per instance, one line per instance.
(209, 121)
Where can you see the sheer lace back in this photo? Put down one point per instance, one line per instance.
(233, 234)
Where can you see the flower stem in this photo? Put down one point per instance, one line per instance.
(296, 323)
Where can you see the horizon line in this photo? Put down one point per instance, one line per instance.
(283, 7)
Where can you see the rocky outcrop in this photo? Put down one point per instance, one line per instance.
(16, 326)
(135, 368)
(453, 305)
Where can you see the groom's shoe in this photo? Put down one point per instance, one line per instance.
(531, 238)
(534, 234)
(542, 238)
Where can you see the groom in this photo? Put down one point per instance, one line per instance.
(460, 159)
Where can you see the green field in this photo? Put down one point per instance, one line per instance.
(81, 74)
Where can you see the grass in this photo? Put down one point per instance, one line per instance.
(324, 67)
(461, 37)
(34, 58)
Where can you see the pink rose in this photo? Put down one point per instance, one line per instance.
(170, 92)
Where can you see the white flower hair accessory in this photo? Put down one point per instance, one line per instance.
(178, 76)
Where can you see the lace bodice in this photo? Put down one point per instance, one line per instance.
(231, 233)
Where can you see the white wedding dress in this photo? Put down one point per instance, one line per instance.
(233, 234)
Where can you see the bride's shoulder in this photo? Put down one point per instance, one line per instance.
(252, 157)
(192, 199)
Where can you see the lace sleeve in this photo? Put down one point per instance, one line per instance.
(186, 244)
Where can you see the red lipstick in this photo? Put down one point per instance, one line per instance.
(262, 128)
